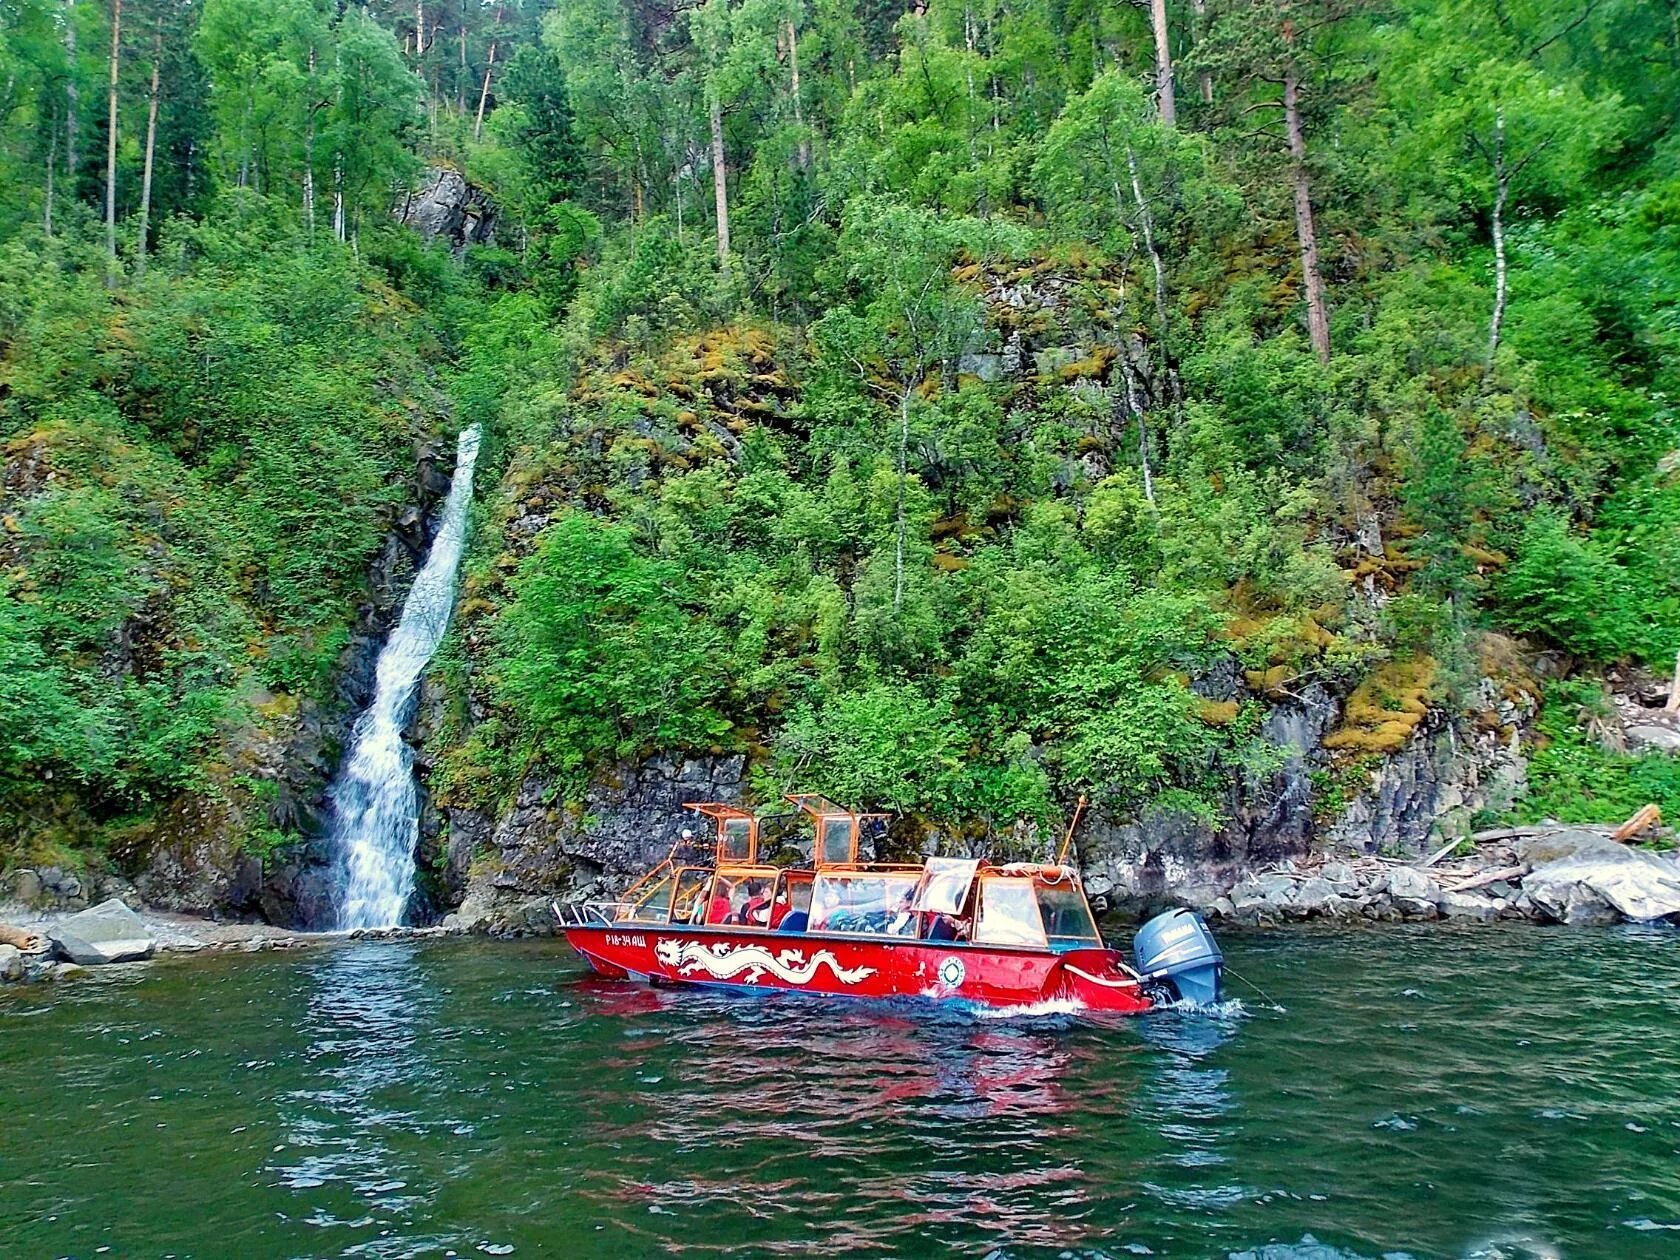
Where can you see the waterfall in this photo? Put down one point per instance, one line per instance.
(375, 806)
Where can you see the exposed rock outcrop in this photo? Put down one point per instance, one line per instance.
(446, 205)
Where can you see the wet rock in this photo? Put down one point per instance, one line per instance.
(108, 933)
(68, 971)
(1469, 906)
(1550, 846)
(1339, 875)
(11, 963)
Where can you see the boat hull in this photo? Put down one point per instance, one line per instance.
(850, 966)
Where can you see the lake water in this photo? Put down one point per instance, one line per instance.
(1421, 1092)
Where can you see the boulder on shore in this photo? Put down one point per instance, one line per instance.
(107, 933)
(11, 963)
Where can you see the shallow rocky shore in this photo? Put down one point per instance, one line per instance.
(1565, 875)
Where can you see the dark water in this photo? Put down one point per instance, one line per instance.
(1425, 1093)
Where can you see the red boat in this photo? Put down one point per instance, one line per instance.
(1012, 935)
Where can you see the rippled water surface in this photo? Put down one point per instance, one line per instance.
(1421, 1092)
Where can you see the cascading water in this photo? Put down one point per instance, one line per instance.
(375, 806)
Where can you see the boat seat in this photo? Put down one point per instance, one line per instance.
(798, 921)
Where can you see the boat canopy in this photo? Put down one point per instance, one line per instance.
(736, 831)
(837, 829)
(945, 884)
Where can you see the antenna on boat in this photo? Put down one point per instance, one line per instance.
(1067, 840)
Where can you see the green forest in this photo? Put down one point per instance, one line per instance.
(923, 401)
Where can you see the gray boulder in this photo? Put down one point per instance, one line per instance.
(11, 963)
(1606, 877)
(1340, 875)
(1657, 738)
(108, 933)
(1413, 892)
(1315, 895)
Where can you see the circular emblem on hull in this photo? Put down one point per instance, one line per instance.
(952, 973)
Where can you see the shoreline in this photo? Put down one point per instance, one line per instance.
(1542, 875)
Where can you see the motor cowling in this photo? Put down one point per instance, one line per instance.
(1177, 948)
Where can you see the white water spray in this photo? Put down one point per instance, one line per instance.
(375, 807)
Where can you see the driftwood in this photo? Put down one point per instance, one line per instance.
(1509, 833)
(1644, 820)
(1440, 853)
(1490, 877)
(26, 941)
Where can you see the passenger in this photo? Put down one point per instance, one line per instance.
(755, 908)
(830, 907)
(719, 909)
(903, 920)
(941, 929)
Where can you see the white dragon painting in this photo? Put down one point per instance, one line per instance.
(751, 962)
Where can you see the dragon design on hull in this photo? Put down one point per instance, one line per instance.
(751, 962)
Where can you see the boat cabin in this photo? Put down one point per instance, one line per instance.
(957, 900)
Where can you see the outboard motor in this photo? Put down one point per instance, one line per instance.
(1176, 947)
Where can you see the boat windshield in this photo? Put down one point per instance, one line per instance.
(649, 902)
(1067, 916)
(945, 885)
(1008, 913)
(873, 902)
(687, 906)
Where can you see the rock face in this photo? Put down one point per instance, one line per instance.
(539, 850)
(108, 933)
(446, 205)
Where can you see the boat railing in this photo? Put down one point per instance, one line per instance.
(589, 913)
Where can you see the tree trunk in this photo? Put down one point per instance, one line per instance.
(111, 149)
(461, 78)
(151, 150)
(1673, 705)
(309, 156)
(1134, 404)
(1146, 222)
(1163, 63)
(903, 461)
(71, 95)
(1318, 319)
(484, 93)
(1205, 77)
(1502, 190)
(798, 109)
(338, 197)
(52, 161)
(419, 29)
(720, 183)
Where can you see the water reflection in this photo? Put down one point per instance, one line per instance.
(371, 1087)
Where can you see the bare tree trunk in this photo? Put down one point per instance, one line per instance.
(309, 155)
(338, 196)
(1673, 705)
(1134, 404)
(720, 183)
(1318, 319)
(52, 161)
(798, 109)
(71, 97)
(151, 150)
(1163, 63)
(111, 149)
(1146, 222)
(461, 78)
(1205, 77)
(484, 93)
(903, 461)
(419, 29)
(1502, 191)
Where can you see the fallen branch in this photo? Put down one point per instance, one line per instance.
(1508, 833)
(1489, 877)
(1643, 820)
